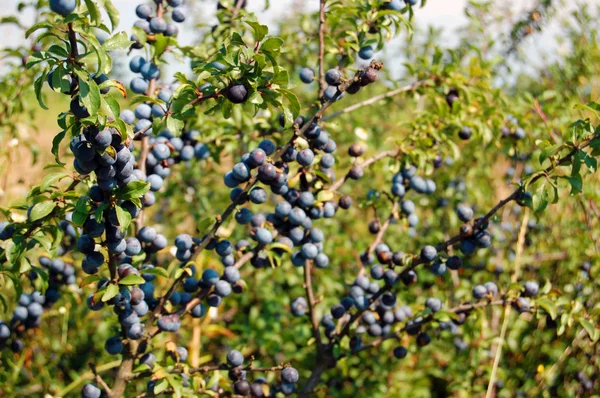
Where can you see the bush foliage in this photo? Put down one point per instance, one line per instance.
(341, 204)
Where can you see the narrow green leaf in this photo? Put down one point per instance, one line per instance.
(132, 279)
(588, 326)
(113, 13)
(111, 291)
(123, 216)
(548, 306)
(132, 190)
(41, 210)
(56, 146)
(94, 12)
(38, 84)
(120, 41)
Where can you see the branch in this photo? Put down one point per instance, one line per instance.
(99, 379)
(460, 309)
(370, 101)
(73, 41)
(392, 153)
(238, 7)
(244, 259)
(384, 227)
(514, 278)
(311, 303)
(88, 376)
(322, 82)
(249, 368)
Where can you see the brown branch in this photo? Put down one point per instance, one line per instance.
(244, 259)
(73, 41)
(322, 82)
(249, 368)
(99, 380)
(139, 221)
(238, 7)
(370, 101)
(392, 153)
(504, 328)
(310, 296)
(460, 309)
(384, 227)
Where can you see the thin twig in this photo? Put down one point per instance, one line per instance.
(310, 296)
(460, 309)
(370, 101)
(244, 259)
(99, 379)
(322, 82)
(514, 278)
(550, 375)
(391, 153)
(383, 228)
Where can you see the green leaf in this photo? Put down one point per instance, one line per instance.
(158, 271)
(540, 199)
(37, 26)
(111, 107)
(58, 50)
(282, 78)
(135, 189)
(142, 368)
(132, 279)
(576, 183)
(226, 109)
(160, 45)
(89, 279)
(588, 326)
(99, 213)
(293, 102)
(38, 84)
(591, 163)
(272, 46)
(206, 224)
(82, 210)
(260, 31)
(161, 386)
(94, 12)
(25, 265)
(548, 306)
(9, 20)
(50, 179)
(120, 41)
(90, 95)
(174, 125)
(123, 216)
(41, 210)
(236, 40)
(280, 246)
(113, 13)
(56, 145)
(111, 291)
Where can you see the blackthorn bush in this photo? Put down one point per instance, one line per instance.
(404, 219)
